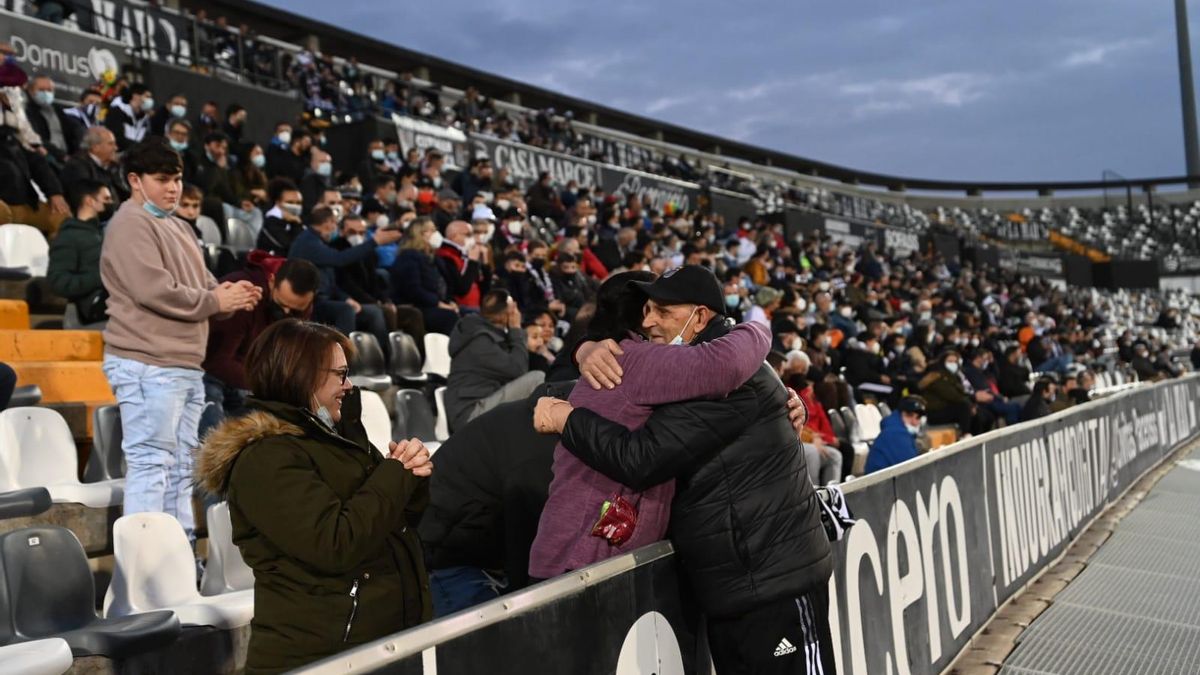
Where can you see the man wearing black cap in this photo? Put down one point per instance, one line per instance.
(745, 519)
(897, 439)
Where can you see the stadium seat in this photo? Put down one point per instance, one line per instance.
(376, 420)
(868, 421)
(368, 369)
(71, 320)
(107, 460)
(405, 359)
(51, 345)
(37, 450)
(441, 430)
(14, 315)
(24, 503)
(225, 571)
(241, 235)
(66, 381)
(414, 419)
(155, 570)
(884, 410)
(210, 232)
(24, 246)
(437, 355)
(50, 593)
(25, 396)
(839, 426)
(51, 656)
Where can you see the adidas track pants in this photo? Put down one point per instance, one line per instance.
(785, 637)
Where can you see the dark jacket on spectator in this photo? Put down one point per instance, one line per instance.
(573, 290)
(358, 279)
(327, 525)
(18, 167)
(415, 280)
(1035, 408)
(82, 166)
(283, 162)
(312, 188)
(277, 235)
(309, 246)
(862, 366)
(127, 125)
(483, 358)
(464, 277)
(488, 491)
(745, 520)
(1013, 380)
(74, 271)
(942, 390)
(72, 129)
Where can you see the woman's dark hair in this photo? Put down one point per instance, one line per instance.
(618, 306)
(153, 156)
(288, 362)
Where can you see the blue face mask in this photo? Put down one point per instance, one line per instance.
(325, 169)
(259, 160)
(378, 155)
(732, 300)
(178, 110)
(44, 98)
(179, 146)
(152, 208)
(678, 339)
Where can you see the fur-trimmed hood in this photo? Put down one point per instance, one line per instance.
(223, 445)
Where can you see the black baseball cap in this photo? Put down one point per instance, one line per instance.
(912, 404)
(687, 285)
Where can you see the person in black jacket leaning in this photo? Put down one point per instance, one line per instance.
(745, 520)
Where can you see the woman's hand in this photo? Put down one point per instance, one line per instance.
(797, 411)
(413, 454)
(550, 415)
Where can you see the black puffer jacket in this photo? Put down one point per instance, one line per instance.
(745, 520)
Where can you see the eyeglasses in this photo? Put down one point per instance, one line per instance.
(342, 373)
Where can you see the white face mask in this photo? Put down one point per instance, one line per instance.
(485, 237)
(356, 239)
(381, 221)
(515, 227)
(846, 312)
(678, 339)
(435, 239)
(952, 366)
(293, 209)
(913, 429)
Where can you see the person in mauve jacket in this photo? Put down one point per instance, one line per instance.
(745, 520)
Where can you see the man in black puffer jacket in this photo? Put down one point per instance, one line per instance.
(745, 520)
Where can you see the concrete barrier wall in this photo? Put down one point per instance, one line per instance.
(942, 541)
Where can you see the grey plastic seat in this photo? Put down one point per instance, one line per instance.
(839, 426)
(414, 417)
(368, 369)
(24, 503)
(49, 592)
(884, 410)
(241, 235)
(405, 364)
(107, 460)
(26, 396)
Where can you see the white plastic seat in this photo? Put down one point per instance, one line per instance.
(37, 450)
(376, 420)
(210, 232)
(225, 571)
(155, 570)
(437, 355)
(241, 235)
(51, 656)
(24, 246)
(441, 429)
(869, 419)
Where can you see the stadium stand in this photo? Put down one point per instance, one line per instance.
(920, 275)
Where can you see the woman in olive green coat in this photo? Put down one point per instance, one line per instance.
(326, 522)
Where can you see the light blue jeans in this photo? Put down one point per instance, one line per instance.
(160, 416)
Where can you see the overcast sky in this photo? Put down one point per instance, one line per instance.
(1017, 90)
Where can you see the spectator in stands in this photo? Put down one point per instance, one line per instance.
(977, 370)
(97, 161)
(359, 280)
(293, 160)
(382, 201)
(209, 119)
(375, 165)
(129, 115)
(864, 368)
(571, 288)
(449, 207)
(160, 300)
(8, 383)
(458, 260)
(1040, 402)
(478, 177)
(416, 280)
(235, 124)
(1082, 392)
(179, 136)
(896, 442)
(85, 113)
(174, 110)
(333, 305)
(543, 200)
(1195, 356)
(74, 270)
(733, 456)
(484, 503)
(766, 301)
(217, 177)
(323, 519)
(1142, 365)
(60, 135)
(489, 360)
(22, 165)
(252, 177)
(283, 222)
(1013, 377)
(317, 179)
(946, 399)
(288, 289)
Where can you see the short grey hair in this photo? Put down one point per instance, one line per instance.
(94, 136)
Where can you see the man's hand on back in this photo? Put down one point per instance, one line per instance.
(598, 363)
(550, 415)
